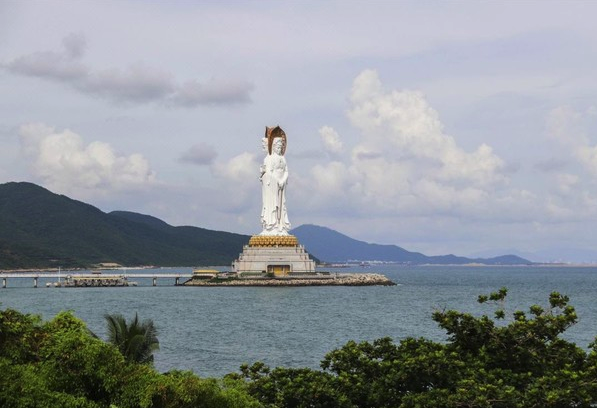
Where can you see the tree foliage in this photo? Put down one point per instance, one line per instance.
(60, 363)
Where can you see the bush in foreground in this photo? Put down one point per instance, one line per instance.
(516, 360)
(61, 364)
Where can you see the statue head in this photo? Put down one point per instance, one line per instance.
(273, 134)
(264, 143)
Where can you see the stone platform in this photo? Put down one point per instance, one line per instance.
(273, 256)
(319, 279)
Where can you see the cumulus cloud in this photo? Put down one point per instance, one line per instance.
(334, 179)
(331, 139)
(405, 126)
(135, 84)
(404, 160)
(238, 169)
(64, 163)
(200, 154)
(234, 178)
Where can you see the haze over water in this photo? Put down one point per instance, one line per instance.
(213, 330)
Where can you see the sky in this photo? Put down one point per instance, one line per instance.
(462, 127)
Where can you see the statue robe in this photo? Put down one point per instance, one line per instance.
(274, 217)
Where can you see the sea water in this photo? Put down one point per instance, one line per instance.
(213, 330)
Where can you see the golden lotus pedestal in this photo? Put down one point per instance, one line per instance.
(273, 256)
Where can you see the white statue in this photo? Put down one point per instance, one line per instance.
(274, 178)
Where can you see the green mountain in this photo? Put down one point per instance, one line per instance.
(41, 229)
(332, 246)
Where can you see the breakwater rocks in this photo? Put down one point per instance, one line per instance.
(344, 279)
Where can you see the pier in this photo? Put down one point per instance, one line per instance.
(35, 276)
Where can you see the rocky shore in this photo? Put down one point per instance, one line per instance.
(345, 279)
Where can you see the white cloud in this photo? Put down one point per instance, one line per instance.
(238, 184)
(405, 127)
(333, 179)
(331, 139)
(404, 162)
(66, 164)
(238, 169)
(137, 83)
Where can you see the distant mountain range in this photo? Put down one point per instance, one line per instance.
(331, 246)
(40, 229)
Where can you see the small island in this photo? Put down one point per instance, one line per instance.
(318, 279)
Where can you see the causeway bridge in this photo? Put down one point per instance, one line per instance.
(36, 276)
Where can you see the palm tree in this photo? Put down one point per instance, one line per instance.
(136, 341)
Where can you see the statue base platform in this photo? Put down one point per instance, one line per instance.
(273, 256)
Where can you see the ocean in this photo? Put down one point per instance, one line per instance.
(212, 331)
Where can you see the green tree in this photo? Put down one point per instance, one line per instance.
(137, 341)
(73, 362)
(56, 363)
(292, 387)
(20, 336)
(60, 363)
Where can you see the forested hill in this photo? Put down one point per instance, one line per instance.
(332, 246)
(41, 229)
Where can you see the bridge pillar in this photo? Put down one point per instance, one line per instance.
(34, 282)
(155, 281)
(3, 282)
(176, 281)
